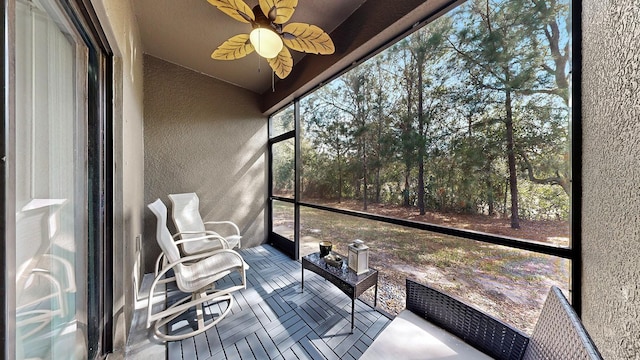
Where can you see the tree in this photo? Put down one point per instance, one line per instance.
(418, 53)
(447, 116)
(382, 138)
(405, 132)
(502, 58)
(550, 15)
(353, 93)
(328, 130)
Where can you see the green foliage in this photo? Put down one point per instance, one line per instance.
(283, 167)
(425, 121)
(543, 202)
(282, 122)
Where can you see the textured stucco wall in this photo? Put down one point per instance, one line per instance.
(205, 136)
(611, 176)
(118, 22)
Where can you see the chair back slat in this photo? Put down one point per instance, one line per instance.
(163, 236)
(186, 213)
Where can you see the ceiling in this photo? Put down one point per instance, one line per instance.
(185, 32)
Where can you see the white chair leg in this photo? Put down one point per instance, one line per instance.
(197, 300)
(199, 310)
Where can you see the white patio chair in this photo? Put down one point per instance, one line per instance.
(45, 283)
(43, 296)
(189, 223)
(195, 275)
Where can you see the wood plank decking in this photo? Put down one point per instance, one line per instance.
(273, 319)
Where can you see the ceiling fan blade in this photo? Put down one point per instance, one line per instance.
(278, 11)
(282, 64)
(237, 9)
(236, 47)
(307, 38)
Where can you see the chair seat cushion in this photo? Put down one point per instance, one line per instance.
(409, 336)
(205, 272)
(196, 247)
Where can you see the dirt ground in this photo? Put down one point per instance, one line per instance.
(553, 232)
(514, 290)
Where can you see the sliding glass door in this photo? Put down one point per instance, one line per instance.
(56, 214)
(51, 214)
(282, 189)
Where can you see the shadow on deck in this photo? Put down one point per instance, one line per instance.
(273, 319)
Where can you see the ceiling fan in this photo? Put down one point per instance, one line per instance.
(270, 37)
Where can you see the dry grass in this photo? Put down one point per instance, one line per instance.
(508, 283)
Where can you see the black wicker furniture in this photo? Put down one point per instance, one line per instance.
(442, 327)
(350, 283)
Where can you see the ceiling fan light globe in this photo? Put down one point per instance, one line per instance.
(266, 42)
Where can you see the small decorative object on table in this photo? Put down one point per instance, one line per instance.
(325, 248)
(358, 257)
(333, 260)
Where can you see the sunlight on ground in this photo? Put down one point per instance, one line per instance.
(508, 283)
(558, 240)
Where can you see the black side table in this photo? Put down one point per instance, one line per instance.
(345, 279)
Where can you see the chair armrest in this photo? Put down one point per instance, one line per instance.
(160, 258)
(230, 223)
(210, 236)
(218, 251)
(199, 256)
(179, 234)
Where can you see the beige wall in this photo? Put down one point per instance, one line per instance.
(118, 22)
(205, 136)
(611, 176)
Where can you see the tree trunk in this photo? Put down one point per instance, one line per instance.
(379, 150)
(407, 162)
(513, 179)
(406, 135)
(491, 202)
(504, 203)
(378, 185)
(421, 185)
(364, 190)
(405, 192)
(339, 174)
(490, 194)
(365, 168)
(421, 144)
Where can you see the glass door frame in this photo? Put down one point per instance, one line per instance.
(7, 252)
(292, 249)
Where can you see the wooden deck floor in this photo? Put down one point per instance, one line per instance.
(273, 319)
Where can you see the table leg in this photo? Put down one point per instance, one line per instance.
(375, 296)
(302, 280)
(353, 303)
